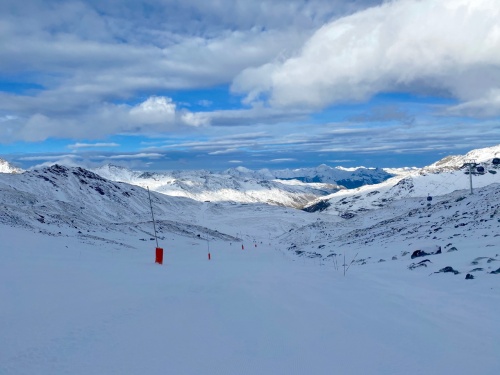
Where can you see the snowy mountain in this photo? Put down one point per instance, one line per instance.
(348, 177)
(60, 198)
(204, 185)
(72, 201)
(483, 157)
(440, 178)
(6, 167)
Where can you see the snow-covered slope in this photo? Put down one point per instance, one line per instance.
(204, 185)
(71, 201)
(6, 167)
(457, 220)
(75, 199)
(482, 157)
(439, 179)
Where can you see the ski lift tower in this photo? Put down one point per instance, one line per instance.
(470, 163)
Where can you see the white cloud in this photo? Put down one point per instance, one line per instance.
(431, 46)
(340, 161)
(222, 152)
(142, 155)
(49, 157)
(154, 110)
(7, 118)
(66, 160)
(92, 145)
(282, 160)
(205, 103)
(154, 115)
(487, 105)
(195, 119)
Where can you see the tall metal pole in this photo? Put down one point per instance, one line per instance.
(470, 178)
(344, 263)
(471, 164)
(153, 216)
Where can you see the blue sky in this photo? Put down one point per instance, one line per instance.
(167, 84)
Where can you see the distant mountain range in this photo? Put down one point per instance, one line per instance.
(204, 185)
(292, 188)
(347, 177)
(342, 190)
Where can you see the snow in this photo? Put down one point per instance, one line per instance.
(278, 187)
(77, 308)
(80, 293)
(6, 167)
(479, 156)
(207, 186)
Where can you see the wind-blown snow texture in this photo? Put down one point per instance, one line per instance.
(80, 293)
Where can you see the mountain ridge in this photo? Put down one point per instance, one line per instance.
(292, 188)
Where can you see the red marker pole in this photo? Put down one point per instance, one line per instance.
(159, 255)
(159, 250)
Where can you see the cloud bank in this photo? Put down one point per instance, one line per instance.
(92, 72)
(434, 47)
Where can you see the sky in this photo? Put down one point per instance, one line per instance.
(194, 84)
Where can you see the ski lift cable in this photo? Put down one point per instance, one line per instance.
(153, 217)
(441, 187)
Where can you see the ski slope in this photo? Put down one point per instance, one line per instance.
(73, 305)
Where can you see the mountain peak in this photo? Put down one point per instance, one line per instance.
(480, 155)
(6, 167)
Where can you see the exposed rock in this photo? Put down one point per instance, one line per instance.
(477, 269)
(447, 270)
(419, 253)
(317, 207)
(422, 253)
(347, 215)
(422, 263)
(495, 272)
(469, 277)
(475, 262)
